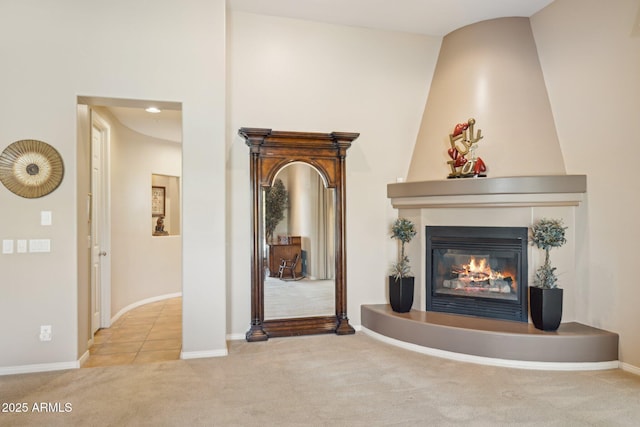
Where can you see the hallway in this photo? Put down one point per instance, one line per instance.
(147, 334)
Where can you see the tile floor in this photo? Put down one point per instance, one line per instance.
(147, 334)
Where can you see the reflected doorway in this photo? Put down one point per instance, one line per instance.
(304, 238)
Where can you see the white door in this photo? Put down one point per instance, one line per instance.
(99, 226)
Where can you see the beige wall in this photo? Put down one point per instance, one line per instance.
(288, 74)
(108, 49)
(591, 64)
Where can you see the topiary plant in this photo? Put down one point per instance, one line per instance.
(403, 230)
(547, 234)
(276, 199)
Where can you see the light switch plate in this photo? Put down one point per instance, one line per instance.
(45, 218)
(7, 246)
(40, 245)
(21, 246)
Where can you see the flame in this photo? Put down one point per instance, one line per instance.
(479, 270)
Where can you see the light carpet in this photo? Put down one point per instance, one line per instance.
(324, 380)
(285, 299)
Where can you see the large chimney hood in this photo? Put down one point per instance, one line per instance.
(490, 71)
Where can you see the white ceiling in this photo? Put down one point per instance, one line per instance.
(429, 17)
(166, 124)
(131, 113)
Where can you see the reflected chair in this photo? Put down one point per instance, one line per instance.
(288, 265)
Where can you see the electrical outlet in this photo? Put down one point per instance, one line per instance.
(45, 333)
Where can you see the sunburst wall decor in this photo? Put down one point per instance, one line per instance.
(31, 168)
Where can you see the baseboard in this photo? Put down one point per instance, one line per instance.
(42, 367)
(185, 355)
(520, 364)
(84, 358)
(143, 302)
(236, 337)
(629, 368)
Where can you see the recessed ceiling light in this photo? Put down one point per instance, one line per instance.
(152, 110)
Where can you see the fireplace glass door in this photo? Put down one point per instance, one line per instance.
(478, 271)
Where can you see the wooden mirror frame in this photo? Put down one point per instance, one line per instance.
(270, 151)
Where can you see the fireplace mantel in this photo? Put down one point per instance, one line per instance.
(544, 190)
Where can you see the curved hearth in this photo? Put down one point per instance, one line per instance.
(573, 346)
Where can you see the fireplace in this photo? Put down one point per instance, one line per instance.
(477, 271)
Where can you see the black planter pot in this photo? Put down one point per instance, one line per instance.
(545, 307)
(401, 293)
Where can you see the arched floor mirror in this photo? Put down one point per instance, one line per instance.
(270, 152)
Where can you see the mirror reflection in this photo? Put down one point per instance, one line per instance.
(299, 244)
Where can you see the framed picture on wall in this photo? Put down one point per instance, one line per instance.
(157, 201)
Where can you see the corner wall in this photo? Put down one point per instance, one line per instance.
(591, 62)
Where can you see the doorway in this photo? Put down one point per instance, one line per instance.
(126, 266)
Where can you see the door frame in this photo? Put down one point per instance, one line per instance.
(104, 226)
